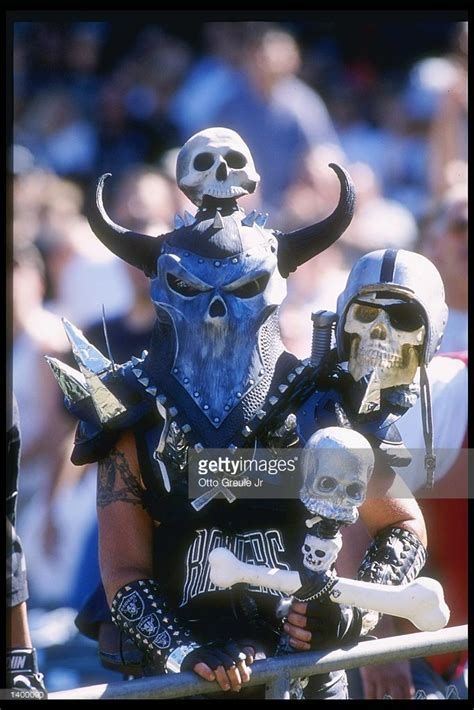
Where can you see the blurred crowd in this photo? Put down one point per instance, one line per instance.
(80, 110)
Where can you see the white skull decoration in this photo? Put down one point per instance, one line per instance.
(386, 335)
(336, 465)
(319, 554)
(216, 162)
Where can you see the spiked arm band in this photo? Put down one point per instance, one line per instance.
(142, 613)
(395, 556)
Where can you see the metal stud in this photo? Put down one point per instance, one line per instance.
(144, 381)
(178, 221)
(299, 369)
(218, 221)
(261, 414)
(291, 377)
(246, 431)
(135, 360)
(137, 372)
(152, 391)
(172, 411)
(249, 219)
(198, 447)
(282, 388)
(188, 219)
(161, 399)
(185, 428)
(273, 401)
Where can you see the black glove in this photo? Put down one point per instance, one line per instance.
(227, 654)
(23, 675)
(332, 625)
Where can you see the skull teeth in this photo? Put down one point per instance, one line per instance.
(374, 358)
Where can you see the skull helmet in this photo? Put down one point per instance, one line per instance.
(217, 280)
(389, 277)
(394, 285)
(336, 465)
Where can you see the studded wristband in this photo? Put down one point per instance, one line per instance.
(142, 613)
(395, 556)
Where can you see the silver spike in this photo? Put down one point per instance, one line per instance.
(282, 388)
(273, 401)
(291, 377)
(299, 369)
(87, 356)
(144, 381)
(105, 402)
(188, 219)
(246, 431)
(185, 428)
(106, 336)
(218, 221)
(178, 221)
(261, 219)
(172, 411)
(71, 381)
(137, 372)
(249, 219)
(152, 391)
(261, 414)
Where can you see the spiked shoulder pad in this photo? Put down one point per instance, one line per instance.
(106, 398)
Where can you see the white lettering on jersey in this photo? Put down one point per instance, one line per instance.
(258, 548)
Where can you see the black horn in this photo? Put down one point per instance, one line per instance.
(295, 248)
(137, 249)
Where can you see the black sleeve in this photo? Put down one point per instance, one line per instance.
(16, 585)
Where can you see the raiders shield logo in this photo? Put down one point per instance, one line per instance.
(149, 625)
(163, 640)
(132, 606)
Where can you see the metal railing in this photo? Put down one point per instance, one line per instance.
(276, 673)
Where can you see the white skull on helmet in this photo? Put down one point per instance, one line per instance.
(216, 162)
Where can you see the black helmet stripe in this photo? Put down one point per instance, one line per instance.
(388, 265)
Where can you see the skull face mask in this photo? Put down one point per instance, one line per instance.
(385, 335)
(217, 163)
(336, 465)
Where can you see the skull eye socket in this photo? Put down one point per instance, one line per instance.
(236, 160)
(181, 287)
(306, 548)
(355, 491)
(365, 314)
(203, 161)
(327, 484)
(251, 288)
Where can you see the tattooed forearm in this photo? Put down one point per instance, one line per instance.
(116, 481)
